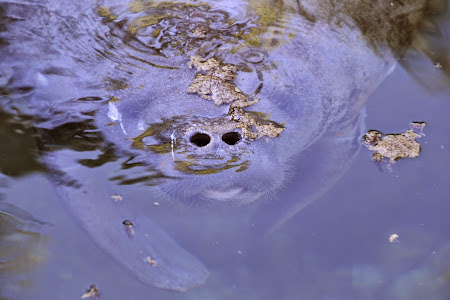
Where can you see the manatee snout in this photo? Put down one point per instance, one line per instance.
(201, 139)
(211, 167)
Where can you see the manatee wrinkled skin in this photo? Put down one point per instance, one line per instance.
(125, 96)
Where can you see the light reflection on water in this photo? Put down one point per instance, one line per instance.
(335, 249)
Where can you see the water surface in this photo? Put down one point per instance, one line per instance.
(336, 248)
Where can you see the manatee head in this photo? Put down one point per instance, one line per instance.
(208, 154)
(216, 105)
(210, 159)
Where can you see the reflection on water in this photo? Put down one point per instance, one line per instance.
(158, 102)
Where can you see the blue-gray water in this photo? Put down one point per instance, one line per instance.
(322, 249)
(336, 248)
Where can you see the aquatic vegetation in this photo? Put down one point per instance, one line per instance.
(395, 146)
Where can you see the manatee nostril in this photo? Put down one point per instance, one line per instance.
(200, 139)
(231, 138)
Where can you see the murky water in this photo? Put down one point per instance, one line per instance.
(337, 247)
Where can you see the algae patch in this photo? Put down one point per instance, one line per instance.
(395, 146)
(215, 82)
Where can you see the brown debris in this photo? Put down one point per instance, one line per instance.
(151, 261)
(251, 125)
(117, 198)
(203, 66)
(437, 66)
(91, 293)
(217, 85)
(393, 238)
(226, 72)
(129, 227)
(213, 88)
(395, 146)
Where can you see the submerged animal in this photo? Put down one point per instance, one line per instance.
(202, 103)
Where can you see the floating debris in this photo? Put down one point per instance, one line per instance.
(215, 82)
(213, 88)
(117, 198)
(437, 66)
(91, 293)
(253, 125)
(393, 238)
(395, 146)
(129, 227)
(151, 261)
(203, 66)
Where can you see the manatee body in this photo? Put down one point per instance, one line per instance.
(284, 77)
(206, 104)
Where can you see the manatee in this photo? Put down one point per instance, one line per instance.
(204, 106)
